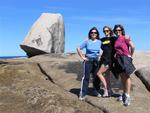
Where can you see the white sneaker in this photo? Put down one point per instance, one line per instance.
(82, 98)
(119, 98)
(105, 93)
(126, 100)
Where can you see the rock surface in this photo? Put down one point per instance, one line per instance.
(50, 83)
(45, 36)
(25, 89)
(144, 75)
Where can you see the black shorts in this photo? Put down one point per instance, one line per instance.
(105, 63)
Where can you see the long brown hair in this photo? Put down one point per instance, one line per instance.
(121, 27)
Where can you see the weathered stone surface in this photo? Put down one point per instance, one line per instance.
(25, 89)
(142, 61)
(144, 75)
(50, 83)
(70, 68)
(45, 36)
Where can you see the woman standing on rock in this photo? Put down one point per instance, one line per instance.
(124, 50)
(106, 59)
(90, 62)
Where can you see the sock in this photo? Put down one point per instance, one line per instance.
(127, 95)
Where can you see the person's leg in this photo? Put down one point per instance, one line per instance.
(107, 77)
(126, 82)
(102, 78)
(123, 81)
(127, 89)
(129, 69)
(96, 80)
(128, 85)
(85, 79)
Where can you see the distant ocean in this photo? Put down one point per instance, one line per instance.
(12, 57)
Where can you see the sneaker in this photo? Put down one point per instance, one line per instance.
(126, 100)
(82, 98)
(105, 93)
(96, 93)
(119, 98)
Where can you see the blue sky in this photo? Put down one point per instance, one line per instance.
(17, 17)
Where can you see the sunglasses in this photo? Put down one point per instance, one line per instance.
(106, 31)
(118, 30)
(93, 33)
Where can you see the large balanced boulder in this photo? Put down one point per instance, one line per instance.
(45, 36)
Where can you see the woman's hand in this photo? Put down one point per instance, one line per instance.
(81, 55)
(84, 58)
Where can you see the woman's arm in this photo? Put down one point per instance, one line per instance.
(130, 43)
(132, 48)
(81, 55)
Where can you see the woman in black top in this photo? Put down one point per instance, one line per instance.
(107, 57)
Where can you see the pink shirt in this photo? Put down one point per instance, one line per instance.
(122, 45)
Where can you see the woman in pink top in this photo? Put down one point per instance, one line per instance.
(124, 67)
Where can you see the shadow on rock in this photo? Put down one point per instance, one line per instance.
(76, 91)
(2, 62)
(73, 67)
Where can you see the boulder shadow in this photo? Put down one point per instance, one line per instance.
(76, 91)
(73, 67)
(77, 68)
